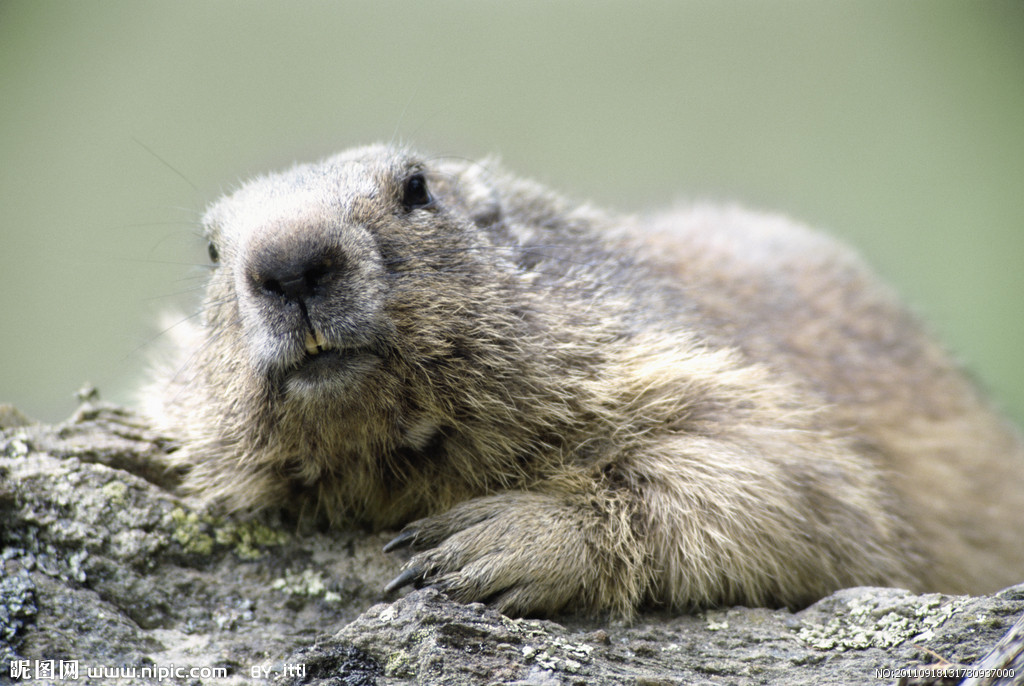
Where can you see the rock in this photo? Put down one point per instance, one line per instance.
(11, 417)
(107, 573)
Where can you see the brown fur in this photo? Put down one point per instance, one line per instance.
(576, 411)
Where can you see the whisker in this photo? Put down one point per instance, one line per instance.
(165, 163)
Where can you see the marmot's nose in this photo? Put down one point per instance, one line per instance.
(293, 285)
(293, 275)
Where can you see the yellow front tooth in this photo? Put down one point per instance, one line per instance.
(312, 347)
(321, 342)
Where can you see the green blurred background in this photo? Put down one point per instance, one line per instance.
(896, 125)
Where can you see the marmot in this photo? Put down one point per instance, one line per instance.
(568, 410)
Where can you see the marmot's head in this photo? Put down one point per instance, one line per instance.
(327, 273)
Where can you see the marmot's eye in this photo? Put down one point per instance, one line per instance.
(415, 193)
(211, 250)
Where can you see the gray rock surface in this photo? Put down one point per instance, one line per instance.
(105, 570)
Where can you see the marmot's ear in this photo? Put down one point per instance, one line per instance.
(473, 185)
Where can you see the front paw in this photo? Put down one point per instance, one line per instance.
(523, 553)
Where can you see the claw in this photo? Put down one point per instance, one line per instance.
(407, 577)
(403, 539)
